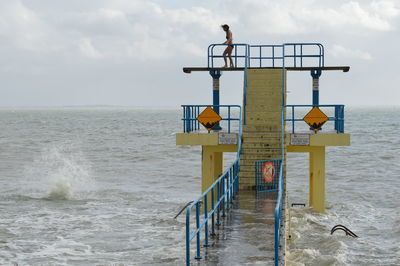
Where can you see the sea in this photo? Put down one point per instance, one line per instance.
(102, 185)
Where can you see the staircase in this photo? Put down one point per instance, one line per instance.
(262, 135)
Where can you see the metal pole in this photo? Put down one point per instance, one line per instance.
(216, 74)
(188, 237)
(206, 221)
(315, 74)
(213, 214)
(198, 231)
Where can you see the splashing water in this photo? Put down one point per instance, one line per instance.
(64, 173)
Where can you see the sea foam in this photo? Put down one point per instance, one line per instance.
(63, 173)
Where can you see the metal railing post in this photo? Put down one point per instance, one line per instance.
(206, 220)
(219, 203)
(229, 119)
(198, 231)
(188, 237)
(213, 214)
(223, 198)
(293, 119)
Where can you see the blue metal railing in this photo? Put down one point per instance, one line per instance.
(274, 55)
(229, 114)
(216, 199)
(228, 188)
(337, 118)
(298, 54)
(278, 214)
(236, 54)
(271, 55)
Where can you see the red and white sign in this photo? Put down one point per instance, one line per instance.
(268, 172)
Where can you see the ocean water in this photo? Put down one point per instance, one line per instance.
(101, 186)
(363, 193)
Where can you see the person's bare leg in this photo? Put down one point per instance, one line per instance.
(224, 55)
(230, 56)
(231, 61)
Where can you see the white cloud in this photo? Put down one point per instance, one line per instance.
(385, 8)
(343, 52)
(87, 49)
(126, 35)
(299, 17)
(21, 27)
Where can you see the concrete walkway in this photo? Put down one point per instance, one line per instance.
(246, 235)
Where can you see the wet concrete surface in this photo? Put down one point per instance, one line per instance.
(246, 234)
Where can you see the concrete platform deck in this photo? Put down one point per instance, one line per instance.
(340, 68)
(246, 235)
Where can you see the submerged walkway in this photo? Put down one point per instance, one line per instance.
(246, 235)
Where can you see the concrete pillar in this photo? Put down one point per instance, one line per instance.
(212, 164)
(317, 178)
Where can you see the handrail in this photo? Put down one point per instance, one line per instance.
(211, 56)
(345, 229)
(293, 51)
(191, 112)
(338, 117)
(278, 214)
(320, 55)
(224, 189)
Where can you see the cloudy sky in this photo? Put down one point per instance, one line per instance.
(131, 52)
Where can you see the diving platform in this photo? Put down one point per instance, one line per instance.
(189, 70)
(242, 209)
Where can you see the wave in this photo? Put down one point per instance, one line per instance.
(61, 172)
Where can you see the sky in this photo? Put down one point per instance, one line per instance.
(131, 52)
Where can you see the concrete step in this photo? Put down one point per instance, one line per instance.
(259, 83)
(247, 180)
(267, 119)
(251, 120)
(263, 151)
(244, 187)
(261, 129)
(257, 140)
(264, 114)
(266, 96)
(259, 157)
(258, 100)
(275, 144)
(264, 90)
(269, 125)
(248, 168)
(263, 107)
(250, 164)
(261, 134)
(271, 75)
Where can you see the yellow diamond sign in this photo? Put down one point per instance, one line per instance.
(209, 118)
(315, 118)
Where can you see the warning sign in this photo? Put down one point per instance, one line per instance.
(315, 118)
(209, 118)
(300, 139)
(268, 172)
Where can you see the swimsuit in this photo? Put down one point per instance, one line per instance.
(230, 45)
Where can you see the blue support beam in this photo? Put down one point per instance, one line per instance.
(216, 74)
(315, 74)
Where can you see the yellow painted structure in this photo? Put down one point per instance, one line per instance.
(316, 150)
(212, 155)
(261, 139)
(262, 131)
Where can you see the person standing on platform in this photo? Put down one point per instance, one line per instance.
(229, 48)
